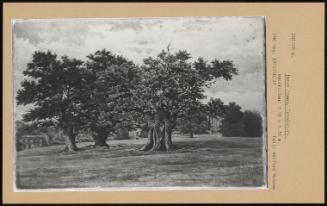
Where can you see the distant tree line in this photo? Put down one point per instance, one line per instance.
(241, 124)
(233, 121)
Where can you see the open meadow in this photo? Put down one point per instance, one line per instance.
(204, 161)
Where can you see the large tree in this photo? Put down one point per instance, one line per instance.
(107, 94)
(170, 84)
(53, 85)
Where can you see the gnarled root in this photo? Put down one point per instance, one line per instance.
(158, 140)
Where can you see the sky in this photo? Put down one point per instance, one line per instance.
(239, 39)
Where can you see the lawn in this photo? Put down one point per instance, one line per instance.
(204, 161)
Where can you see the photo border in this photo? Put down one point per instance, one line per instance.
(298, 179)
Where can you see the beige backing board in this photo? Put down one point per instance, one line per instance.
(295, 100)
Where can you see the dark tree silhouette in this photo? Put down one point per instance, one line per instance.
(252, 124)
(232, 123)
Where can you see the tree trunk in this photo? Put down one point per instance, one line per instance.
(70, 140)
(168, 133)
(100, 139)
(191, 135)
(149, 144)
(159, 139)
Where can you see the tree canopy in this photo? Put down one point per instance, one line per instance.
(215, 107)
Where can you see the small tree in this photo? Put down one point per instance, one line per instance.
(53, 87)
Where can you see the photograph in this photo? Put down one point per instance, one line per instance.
(139, 103)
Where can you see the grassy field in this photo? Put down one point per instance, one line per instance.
(206, 160)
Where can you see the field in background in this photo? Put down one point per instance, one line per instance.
(206, 160)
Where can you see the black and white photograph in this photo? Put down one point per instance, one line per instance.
(139, 103)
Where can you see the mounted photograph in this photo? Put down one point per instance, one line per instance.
(139, 103)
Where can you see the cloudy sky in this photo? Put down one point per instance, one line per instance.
(240, 39)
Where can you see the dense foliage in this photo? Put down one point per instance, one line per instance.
(236, 123)
(252, 124)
